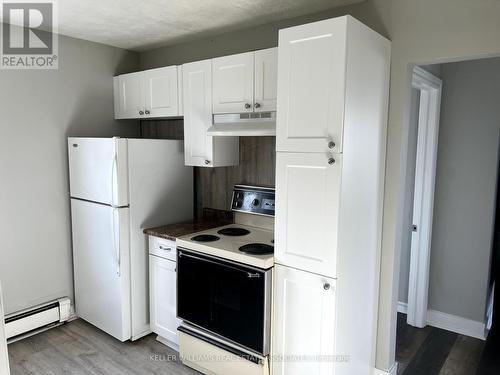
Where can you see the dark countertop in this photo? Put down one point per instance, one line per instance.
(211, 218)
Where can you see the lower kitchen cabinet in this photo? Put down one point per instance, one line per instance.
(304, 323)
(163, 299)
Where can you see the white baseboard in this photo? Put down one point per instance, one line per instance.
(392, 371)
(456, 324)
(451, 323)
(402, 307)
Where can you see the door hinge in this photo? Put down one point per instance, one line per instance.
(414, 228)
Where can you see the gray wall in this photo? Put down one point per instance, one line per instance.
(39, 110)
(245, 40)
(465, 196)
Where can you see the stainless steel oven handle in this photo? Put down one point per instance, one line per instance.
(250, 275)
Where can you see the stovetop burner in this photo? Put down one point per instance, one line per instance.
(234, 231)
(205, 238)
(257, 248)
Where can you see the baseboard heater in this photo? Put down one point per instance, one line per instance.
(29, 321)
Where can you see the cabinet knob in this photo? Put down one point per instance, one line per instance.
(326, 286)
(331, 161)
(147, 112)
(207, 162)
(248, 106)
(256, 105)
(331, 145)
(141, 113)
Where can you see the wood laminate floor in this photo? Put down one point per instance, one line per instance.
(79, 348)
(433, 351)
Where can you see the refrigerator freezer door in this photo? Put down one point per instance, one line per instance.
(98, 170)
(101, 259)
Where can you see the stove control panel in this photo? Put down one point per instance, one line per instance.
(253, 199)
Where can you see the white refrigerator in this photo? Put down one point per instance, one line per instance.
(118, 187)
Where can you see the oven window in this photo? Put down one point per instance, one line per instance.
(222, 298)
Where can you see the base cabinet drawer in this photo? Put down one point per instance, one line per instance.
(163, 298)
(304, 323)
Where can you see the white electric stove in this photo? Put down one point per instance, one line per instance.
(238, 242)
(224, 286)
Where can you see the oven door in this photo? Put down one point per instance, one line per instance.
(225, 298)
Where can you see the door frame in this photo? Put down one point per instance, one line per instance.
(430, 88)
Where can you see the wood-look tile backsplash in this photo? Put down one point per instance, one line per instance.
(213, 186)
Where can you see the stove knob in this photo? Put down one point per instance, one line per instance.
(256, 202)
(238, 204)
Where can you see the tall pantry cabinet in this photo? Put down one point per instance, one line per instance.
(333, 79)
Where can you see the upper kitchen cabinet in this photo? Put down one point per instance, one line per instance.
(201, 149)
(266, 80)
(322, 84)
(245, 82)
(151, 93)
(128, 94)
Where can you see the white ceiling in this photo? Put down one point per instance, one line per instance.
(140, 25)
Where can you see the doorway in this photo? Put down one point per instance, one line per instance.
(446, 278)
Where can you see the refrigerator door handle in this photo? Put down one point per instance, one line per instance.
(115, 245)
(114, 172)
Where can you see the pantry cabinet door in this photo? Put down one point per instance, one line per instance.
(307, 211)
(161, 91)
(311, 87)
(130, 96)
(304, 323)
(163, 298)
(266, 80)
(233, 80)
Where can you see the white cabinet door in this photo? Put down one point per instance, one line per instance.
(161, 92)
(197, 91)
(163, 298)
(131, 96)
(266, 79)
(307, 210)
(233, 80)
(200, 149)
(304, 322)
(311, 87)
(4, 357)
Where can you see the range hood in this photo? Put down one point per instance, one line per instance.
(244, 124)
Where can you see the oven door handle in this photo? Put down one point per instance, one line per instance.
(250, 275)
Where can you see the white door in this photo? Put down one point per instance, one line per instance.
(266, 80)
(98, 170)
(311, 87)
(131, 95)
(160, 88)
(102, 267)
(197, 92)
(163, 298)
(307, 211)
(304, 322)
(233, 80)
(4, 357)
